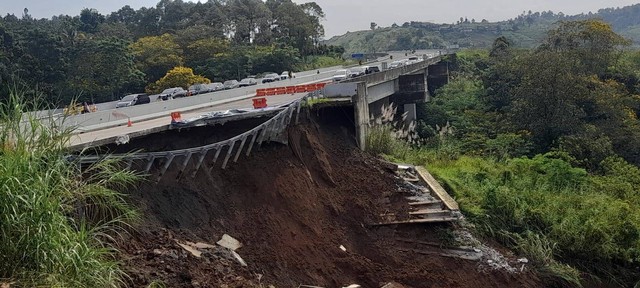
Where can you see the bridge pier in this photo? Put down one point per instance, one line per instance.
(361, 111)
(410, 109)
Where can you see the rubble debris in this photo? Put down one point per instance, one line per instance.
(392, 285)
(195, 252)
(122, 139)
(201, 245)
(238, 258)
(229, 242)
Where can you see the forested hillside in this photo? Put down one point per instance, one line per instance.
(526, 30)
(540, 148)
(100, 57)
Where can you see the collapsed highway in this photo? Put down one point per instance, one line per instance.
(303, 213)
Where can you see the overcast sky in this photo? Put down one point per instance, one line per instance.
(353, 15)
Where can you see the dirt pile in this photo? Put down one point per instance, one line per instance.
(292, 207)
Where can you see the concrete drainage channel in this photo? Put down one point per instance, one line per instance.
(430, 204)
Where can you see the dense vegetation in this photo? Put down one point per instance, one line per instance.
(101, 57)
(540, 148)
(525, 30)
(57, 225)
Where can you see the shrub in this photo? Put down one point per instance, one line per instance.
(177, 77)
(56, 226)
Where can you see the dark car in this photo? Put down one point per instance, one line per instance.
(373, 69)
(196, 89)
(172, 93)
(270, 77)
(133, 99)
(247, 82)
(231, 84)
(357, 71)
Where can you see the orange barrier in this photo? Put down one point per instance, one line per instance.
(289, 89)
(259, 103)
(175, 117)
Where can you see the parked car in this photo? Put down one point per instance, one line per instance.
(215, 86)
(373, 69)
(231, 84)
(340, 75)
(196, 89)
(270, 77)
(247, 82)
(287, 75)
(133, 99)
(172, 93)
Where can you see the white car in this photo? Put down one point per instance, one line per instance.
(340, 75)
(396, 64)
(285, 75)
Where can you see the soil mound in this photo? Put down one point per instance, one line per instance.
(292, 207)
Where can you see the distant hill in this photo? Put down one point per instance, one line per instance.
(525, 30)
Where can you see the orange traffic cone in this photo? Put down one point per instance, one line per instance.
(129, 123)
(175, 117)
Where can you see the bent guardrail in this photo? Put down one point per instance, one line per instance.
(233, 147)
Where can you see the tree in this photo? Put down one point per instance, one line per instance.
(500, 47)
(155, 55)
(547, 100)
(374, 26)
(246, 16)
(296, 25)
(202, 50)
(592, 42)
(103, 70)
(177, 77)
(40, 58)
(90, 19)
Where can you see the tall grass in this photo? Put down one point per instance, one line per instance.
(56, 223)
(389, 136)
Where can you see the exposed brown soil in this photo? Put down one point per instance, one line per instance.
(292, 207)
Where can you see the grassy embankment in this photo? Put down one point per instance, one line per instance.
(57, 225)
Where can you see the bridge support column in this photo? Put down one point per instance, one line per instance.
(410, 109)
(427, 94)
(361, 110)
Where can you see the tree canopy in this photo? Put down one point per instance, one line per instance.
(101, 57)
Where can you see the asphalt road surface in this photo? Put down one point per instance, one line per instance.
(97, 137)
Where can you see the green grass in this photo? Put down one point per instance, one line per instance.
(56, 224)
(561, 218)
